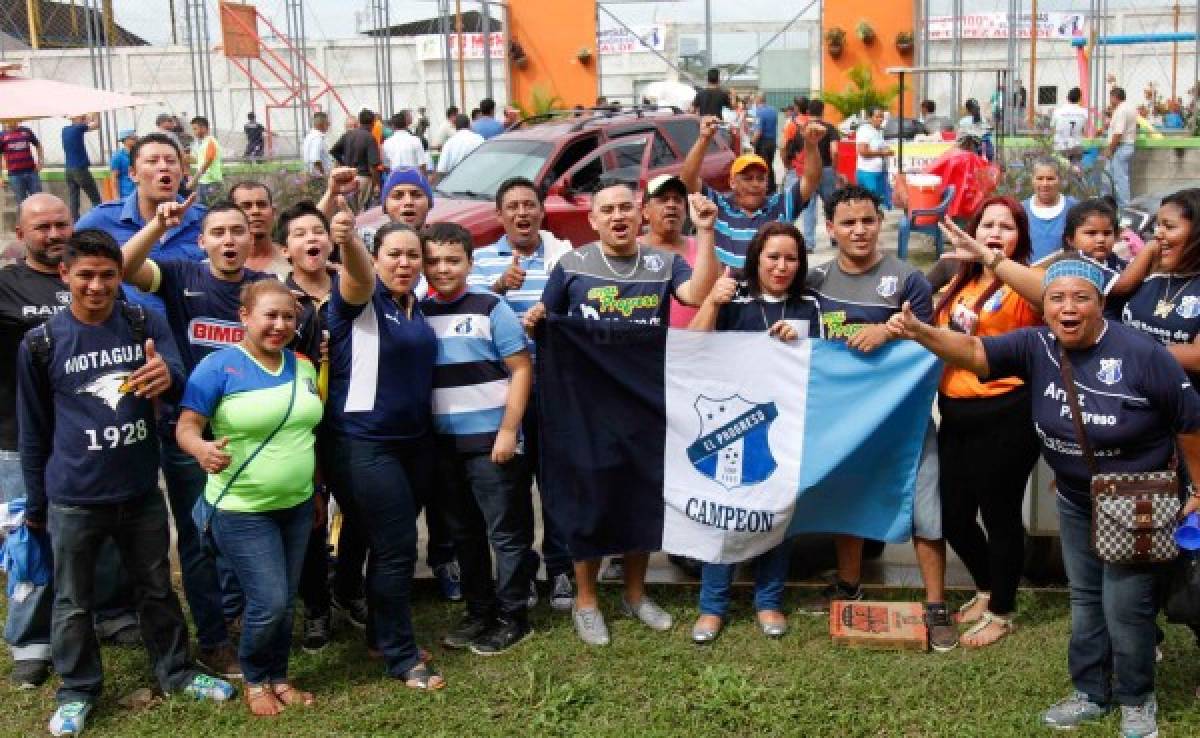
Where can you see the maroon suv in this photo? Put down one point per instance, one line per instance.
(566, 157)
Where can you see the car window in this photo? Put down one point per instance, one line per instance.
(621, 160)
(481, 173)
(684, 132)
(571, 155)
(662, 155)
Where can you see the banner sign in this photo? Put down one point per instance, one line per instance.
(622, 41)
(1050, 26)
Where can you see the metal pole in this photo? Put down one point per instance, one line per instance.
(1033, 34)
(1175, 56)
(708, 34)
(462, 53)
(444, 19)
(1196, 56)
(956, 53)
(487, 48)
(191, 40)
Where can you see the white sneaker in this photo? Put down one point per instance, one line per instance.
(590, 626)
(649, 613)
(69, 718)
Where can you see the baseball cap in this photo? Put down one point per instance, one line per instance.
(747, 160)
(663, 183)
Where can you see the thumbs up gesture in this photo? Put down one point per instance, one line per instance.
(170, 214)
(342, 225)
(213, 458)
(723, 289)
(513, 277)
(904, 324)
(152, 378)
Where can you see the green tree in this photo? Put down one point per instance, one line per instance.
(861, 93)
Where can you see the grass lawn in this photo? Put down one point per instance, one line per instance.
(649, 684)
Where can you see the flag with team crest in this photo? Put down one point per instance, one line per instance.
(718, 446)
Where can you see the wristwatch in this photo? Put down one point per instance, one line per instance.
(997, 257)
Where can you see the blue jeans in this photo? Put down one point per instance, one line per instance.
(24, 184)
(770, 575)
(139, 529)
(1111, 652)
(202, 585)
(489, 502)
(265, 551)
(1120, 167)
(27, 625)
(554, 542)
(812, 211)
(384, 480)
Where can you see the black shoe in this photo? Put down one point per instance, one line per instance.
(502, 636)
(316, 633)
(30, 673)
(467, 630)
(943, 635)
(819, 603)
(354, 611)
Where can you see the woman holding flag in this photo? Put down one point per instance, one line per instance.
(779, 304)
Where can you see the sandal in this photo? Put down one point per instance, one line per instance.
(423, 677)
(1007, 626)
(262, 700)
(707, 633)
(960, 616)
(289, 695)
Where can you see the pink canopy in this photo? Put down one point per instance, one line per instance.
(22, 98)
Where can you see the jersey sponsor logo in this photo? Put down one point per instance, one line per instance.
(116, 356)
(1110, 371)
(887, 286)
(652, 263)
(836, 326)
(733, 447)
(214, 333)
(109, 388)
(42, 311)
(610, 302)
(193, 293)
(1189, 308)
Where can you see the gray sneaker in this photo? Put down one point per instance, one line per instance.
(649, 613)
(1140, 721)
(1073, 712)
(562, 596)
(589, 624)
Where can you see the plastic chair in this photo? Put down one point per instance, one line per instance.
(909, 225)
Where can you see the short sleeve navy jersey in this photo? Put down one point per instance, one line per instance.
(27, 299)
(586, 283)
(760, 313)
(84, 437)
(1166, 307)
(381, 368)
(1134, 396)
(201, 309)
(850, 302)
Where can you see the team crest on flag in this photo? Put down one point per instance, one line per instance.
(1110, 371)
(733, 448)
(887, 286)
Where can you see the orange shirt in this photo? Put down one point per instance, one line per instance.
(1003, 312)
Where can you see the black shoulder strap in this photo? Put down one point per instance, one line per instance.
(136, 316)
(1068, 375)
(40, 346)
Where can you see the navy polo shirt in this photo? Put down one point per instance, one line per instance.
(122, 219)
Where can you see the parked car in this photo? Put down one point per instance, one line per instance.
(566, 155)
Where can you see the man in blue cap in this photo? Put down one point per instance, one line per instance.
(122, 161)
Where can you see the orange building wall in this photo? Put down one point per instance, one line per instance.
(888, 19)
(552, 32)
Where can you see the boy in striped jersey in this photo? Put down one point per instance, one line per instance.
(481, 385)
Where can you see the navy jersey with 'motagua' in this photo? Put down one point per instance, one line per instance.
(84, 437)
(1134, 396)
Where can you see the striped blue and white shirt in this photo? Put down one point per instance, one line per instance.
(475, 333)
(735, 228)
(490, 262)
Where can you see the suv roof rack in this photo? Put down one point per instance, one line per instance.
(598, 114)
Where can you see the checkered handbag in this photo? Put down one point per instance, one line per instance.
(1133, 515)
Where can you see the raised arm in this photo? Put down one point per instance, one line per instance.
(340, 179)
(704, 271)
(957, 349)
(357, 280)
(690, 173)
(721, 294)
(1026, 281)
(1137, 271)
(811, 181)
(135, 267)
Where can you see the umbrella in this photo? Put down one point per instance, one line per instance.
(22, 98)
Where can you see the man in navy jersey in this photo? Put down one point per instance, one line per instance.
(858, 292)
(86, 381)
(31, 291)
(620, 278)
(157, 170)
(201, 301)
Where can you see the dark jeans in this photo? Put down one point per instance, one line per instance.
(986, 451)
(314, 574)
(139, 528)
(24, 184)
(554, 542)
(1111, 652)
(765, 147)
(202, 585)
(488, 502)
(80, 179)
(383, 480)
(265, 551)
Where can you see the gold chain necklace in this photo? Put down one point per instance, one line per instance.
(1165, 306)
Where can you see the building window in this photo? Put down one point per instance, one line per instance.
(1047, 95)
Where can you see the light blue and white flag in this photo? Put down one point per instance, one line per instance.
(719, 445)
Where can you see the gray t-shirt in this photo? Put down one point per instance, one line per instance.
(849, 302)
